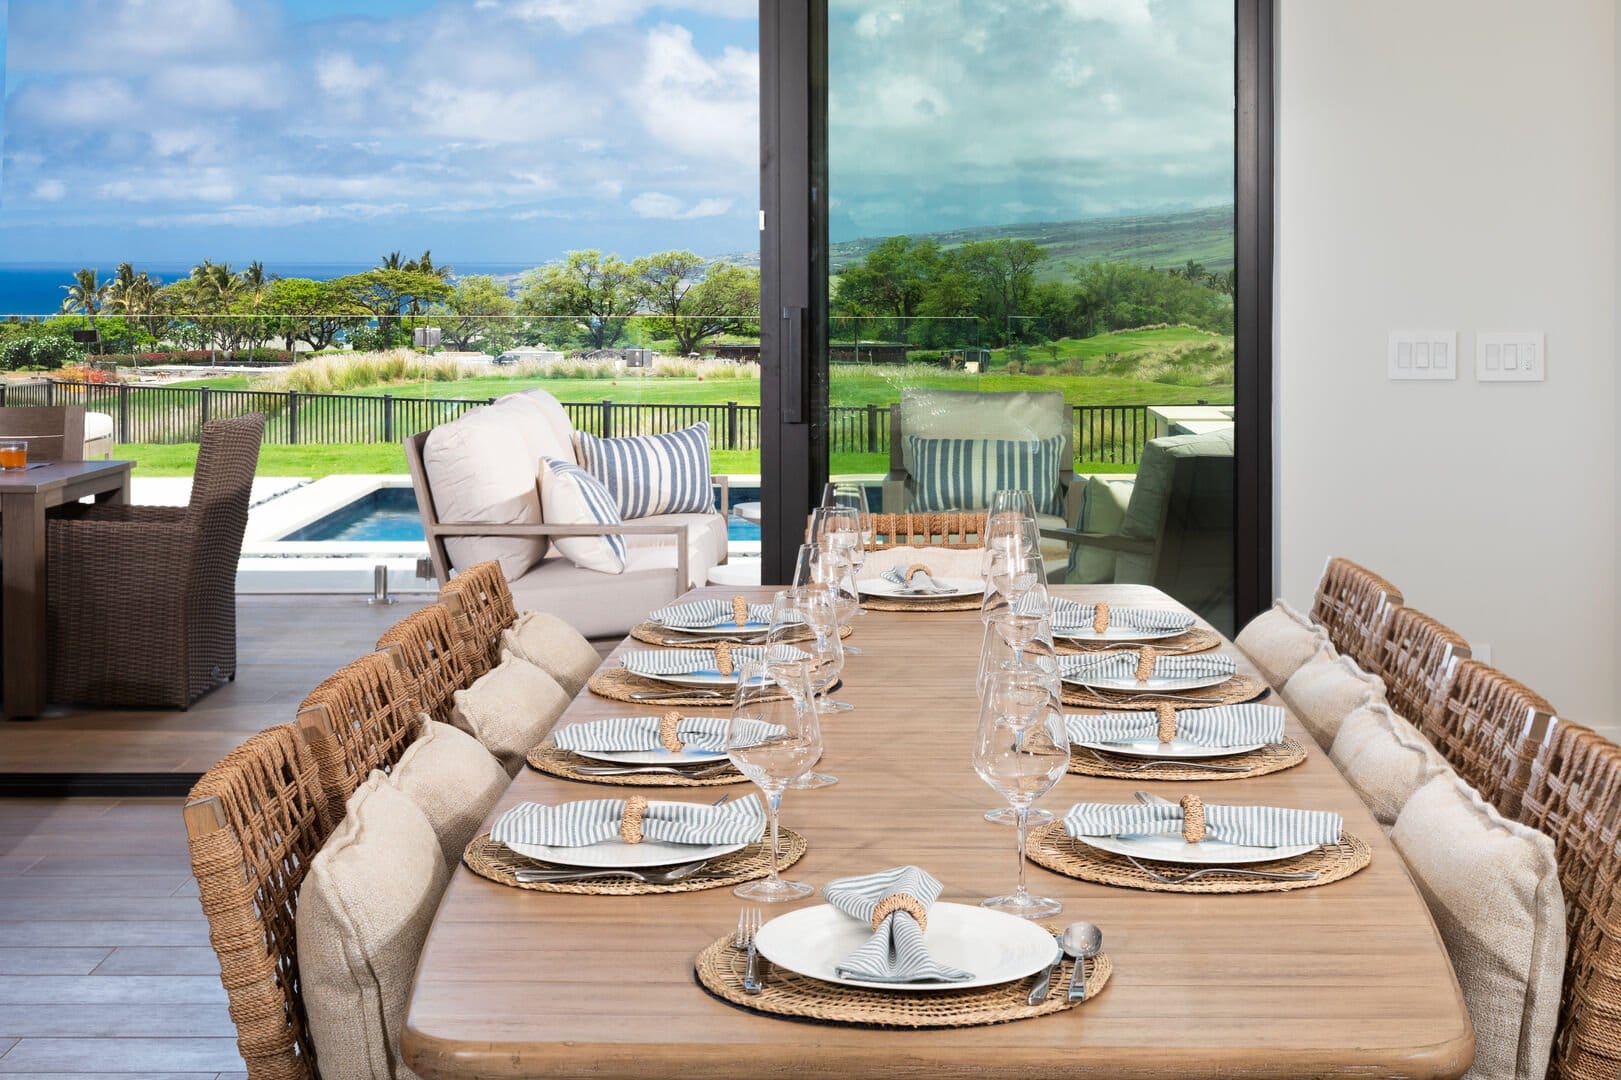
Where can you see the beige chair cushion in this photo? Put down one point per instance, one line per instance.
(363, 914)
(706, 540)
(553, 646)
(480, 468)
(1492, 886)
(1384, 758)
(601, 605)
(509, 709)
(453, 780)
(554, 434)
(1151, 494)
(974, 414)
(1103, 509)
(1328, 689)
(1280, 641)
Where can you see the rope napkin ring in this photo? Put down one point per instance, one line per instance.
(630, 822)
(740, 610)
(667, 725)
(1145, 663)
(900, 902)
(1192, 818)
(916, 569)
(723, 658)
(1167, 721)
(1100, 619)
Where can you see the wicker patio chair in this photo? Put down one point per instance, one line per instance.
(254, 821)
(481, 606)
(424, 648)
(1574, 796)
(1352, 604)
(1416, 657)
(1490, 727)
(361, 717)
(142, 608)
(927, 530)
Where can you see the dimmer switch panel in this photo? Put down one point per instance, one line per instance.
(1510, 357)
(1423, 354)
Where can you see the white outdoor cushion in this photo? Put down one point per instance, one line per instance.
(553, 646)
(1279, 641)
(1492, 886)
(480, 469)
(603, 605)
(509, 709)
(1384, 759)
(532, 421)
(559, 430)
(363, 914)
(1103, 509)
(453, 780)
(1327, 690)
(573, 496)
(973, 414)
(949, 562)
(706, 540)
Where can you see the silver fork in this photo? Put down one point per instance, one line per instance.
(660, 695)
(1179, 764)
(651, 877)
(702, 773)
(1270, 875)
(748, 925)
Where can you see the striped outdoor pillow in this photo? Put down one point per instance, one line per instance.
(962, 474)
(652, 474)
(571, 496)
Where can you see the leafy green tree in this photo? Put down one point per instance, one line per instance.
(86, 295)
(310, 311)
(599, 292)
(694, 302)
(388, 294)
(1004, 272)
(478, 311)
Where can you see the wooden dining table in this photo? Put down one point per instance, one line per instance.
(25, 496)
(1345, 979)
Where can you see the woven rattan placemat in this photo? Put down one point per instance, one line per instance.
(720, 971)
(617, 684)
(1237, 689)
(893, 603)
(654, 634)
(1051, 847)
(1196, 640)
(488, 859)
(550, 760)
(1084, 761)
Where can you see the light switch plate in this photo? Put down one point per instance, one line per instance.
(1511, 357)
(1423, 354)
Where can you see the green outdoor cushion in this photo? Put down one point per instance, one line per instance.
(1103, 508)
(1145, 514)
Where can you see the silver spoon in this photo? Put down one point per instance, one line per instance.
(1081, 941)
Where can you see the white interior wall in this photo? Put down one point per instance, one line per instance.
(1452, 164)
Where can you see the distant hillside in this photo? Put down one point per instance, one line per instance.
(1163, 240)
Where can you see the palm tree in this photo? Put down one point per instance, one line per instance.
(254, 282)
(86, 295)
(392, 261)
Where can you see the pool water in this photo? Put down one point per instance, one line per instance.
(391, 514)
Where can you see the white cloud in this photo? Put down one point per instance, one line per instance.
(1124, 13)
(656, 204)
(339, 73)
(699, 106)
(50, 191)
(575, 16)
(518, 114)
(248, 215)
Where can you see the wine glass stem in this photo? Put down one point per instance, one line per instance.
(1021, 818)
(773, 801)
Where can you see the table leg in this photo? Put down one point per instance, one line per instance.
(22, 622)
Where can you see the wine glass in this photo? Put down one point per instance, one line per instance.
(998, 657)
(773, 741)
(825, 565)
(794, 612)
(852, 496)
(1021, 750)
(1011, 525)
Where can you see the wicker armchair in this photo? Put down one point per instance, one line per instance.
(1491, 728)
(143, 598)
(481, 606)
(361, 717)
(1416, 657)
(424, 645)
(1353, 604)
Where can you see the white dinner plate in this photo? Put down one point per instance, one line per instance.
(1113, 633)
(996, 947)
(1174, 849)
(955, 586)
(659, 756)
(1176, 748)
(617, 855)
(1154, 683)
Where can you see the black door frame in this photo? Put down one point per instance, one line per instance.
(793, 285)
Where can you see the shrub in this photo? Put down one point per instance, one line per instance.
(40, 352)
(336, 373)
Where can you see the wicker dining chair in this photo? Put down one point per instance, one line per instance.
(424, 648)
(254, 821)
(361, 717)
(1490, 727)
(481, 606)
(1353, 604)
(927, 530)
(1574, 796)
(1415, 658)
(142, 599)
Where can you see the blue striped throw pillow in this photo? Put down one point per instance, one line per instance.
(962, 474)
(571, 496)
(652, 474)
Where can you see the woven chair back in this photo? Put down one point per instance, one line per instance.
(482, 607)
(361, 717)
(254, 822)
(1490, 728)
(1353, 604)
(424, 648)
(927, 530)
(1574, 796)
(1416, 659)
(53, 432)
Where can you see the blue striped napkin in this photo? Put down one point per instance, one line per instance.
(1072, 615)
(1223, 725)
(922, 584)
(1252, 826)
(1123, 665)
(658, 662)
(595, 821)
(642, 733)
(896, 952)
(708, 613)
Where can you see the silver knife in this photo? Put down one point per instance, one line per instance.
(1044, 981)
(751, 971)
